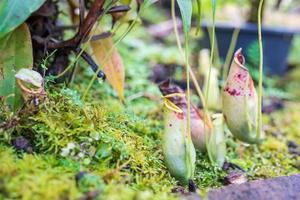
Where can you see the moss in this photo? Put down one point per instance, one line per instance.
(34, 177)
(107, 141)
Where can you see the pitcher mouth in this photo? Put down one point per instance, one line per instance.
(239, 59)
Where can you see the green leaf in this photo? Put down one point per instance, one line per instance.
(186, 9)
(199, 5)
(15, 53)
(214, 6)
(15, 12)
(148, 3)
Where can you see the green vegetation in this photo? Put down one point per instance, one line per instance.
(102, 148)
(119, 146)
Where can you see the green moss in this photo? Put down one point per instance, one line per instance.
(110, 142)
(34, 177)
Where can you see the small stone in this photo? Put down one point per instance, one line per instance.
(192, 186)
(292, 144)
(91, 195)
(178, 189)
(21, 143)
(293, 148)
(79, 176)
(229, 165)
(236, 177)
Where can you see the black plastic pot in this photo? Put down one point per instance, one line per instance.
(276, 44)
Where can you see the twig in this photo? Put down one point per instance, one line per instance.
(91, 62)
(84, 29)
(87, 24)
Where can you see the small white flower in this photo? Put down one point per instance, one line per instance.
(97, 137)
(71, 145)
(80, 155)
(64, 152)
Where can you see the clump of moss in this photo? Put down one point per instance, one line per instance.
(106, 141)
(35, 177)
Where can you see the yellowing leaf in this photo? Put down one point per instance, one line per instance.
(108, 57)
(15, 53)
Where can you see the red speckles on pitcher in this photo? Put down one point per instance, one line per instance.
(240, 101)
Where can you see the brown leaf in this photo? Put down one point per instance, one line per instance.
(109, 58)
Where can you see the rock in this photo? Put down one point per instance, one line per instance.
(293, 148)
(191, 196)
(272, 104)
(281, 188)
(192, 186)
(79, 176)
(22, 144)
(236, 177)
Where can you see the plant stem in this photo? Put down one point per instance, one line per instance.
(230, 51)
(89, 38)
(259, 112)
(194, 79)
(210, 67)
(211, 58)
(254, 11)
(198, 16)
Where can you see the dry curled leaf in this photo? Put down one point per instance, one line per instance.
(111, 62)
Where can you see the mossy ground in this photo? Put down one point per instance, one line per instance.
(116, 145)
